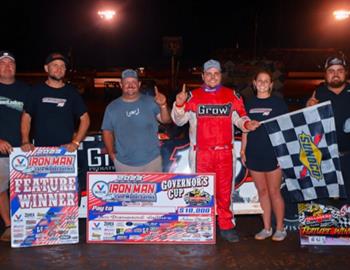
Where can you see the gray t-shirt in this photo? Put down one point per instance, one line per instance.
(135, 127)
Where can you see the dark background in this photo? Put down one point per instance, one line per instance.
(32, 29)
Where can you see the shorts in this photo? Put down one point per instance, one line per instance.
(4, 174)
(153, 166)
(262, 165)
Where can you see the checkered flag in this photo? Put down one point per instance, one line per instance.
(306, 147)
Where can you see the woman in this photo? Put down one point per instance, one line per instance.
(258, 156)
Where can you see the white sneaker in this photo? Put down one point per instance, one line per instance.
(279, 235)
(263, 234)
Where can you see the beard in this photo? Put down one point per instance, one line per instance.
(336, 83)
(56, 78)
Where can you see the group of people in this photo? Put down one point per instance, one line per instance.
(130, 129)
(45, 115)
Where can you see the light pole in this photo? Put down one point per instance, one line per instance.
(107, 16)
(341, 16)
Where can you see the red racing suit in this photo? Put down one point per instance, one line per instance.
(211, 115)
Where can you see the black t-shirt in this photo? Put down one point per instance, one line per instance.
(12, 99)
(258, 143)
(341, 109)
(54, 112)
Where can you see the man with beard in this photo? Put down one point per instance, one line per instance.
(337, 90)
(12, 97)
(54, 108)
(130, 127)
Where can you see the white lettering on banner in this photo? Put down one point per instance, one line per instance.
(46, 184)
(185, 183)
(94, 158)
(46, 200)
(46, 192)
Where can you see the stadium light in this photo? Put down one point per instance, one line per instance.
(341, 14)
(107, 14)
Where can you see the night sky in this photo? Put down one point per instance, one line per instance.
(32, 29)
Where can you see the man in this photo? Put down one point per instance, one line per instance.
(12, 98)
(211, 111)
(130, 127)
(337, 90)
(55, 107)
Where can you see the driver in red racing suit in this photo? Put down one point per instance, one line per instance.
(211, 111)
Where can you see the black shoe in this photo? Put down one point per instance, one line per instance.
(230, 235)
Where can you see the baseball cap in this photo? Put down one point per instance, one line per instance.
(129, 73)
(335, 60)
(211, 64)
(56, 56)
(6, 54)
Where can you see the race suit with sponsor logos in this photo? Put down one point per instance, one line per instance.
(211, 115)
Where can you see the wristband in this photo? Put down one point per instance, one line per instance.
(76, 143)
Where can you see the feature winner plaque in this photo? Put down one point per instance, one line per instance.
(153, 208)
(44, 198)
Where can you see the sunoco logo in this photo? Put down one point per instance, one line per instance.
(100, 189)
(310, 156)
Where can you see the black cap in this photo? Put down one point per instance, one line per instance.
(7, 54)
(335, 60)
(56, 56)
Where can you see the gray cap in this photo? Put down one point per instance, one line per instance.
(211, 64)
(129, 73)
(6, 54)
(335, 60)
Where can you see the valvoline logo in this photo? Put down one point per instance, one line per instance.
(100, 189)
(97, 225)
(310, 156)
(20, 163)
(18, 217)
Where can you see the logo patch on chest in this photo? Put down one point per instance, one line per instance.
(214, 110)
(133, 112)
(13, 104)
(59, 101)
(263, 111)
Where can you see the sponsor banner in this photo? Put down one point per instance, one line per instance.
(150, 208)
(245, 198)
(324, 224)
(93, 158)
(44, 197)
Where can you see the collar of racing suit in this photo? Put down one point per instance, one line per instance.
(207, 88)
